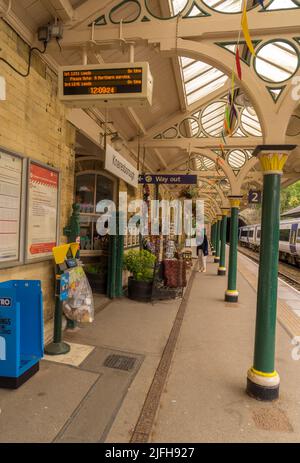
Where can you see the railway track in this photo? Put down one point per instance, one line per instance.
(286, 272)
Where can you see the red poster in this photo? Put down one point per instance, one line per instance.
(42, 214)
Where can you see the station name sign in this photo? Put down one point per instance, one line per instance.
(168, 179)
(120, 167)
(113, 84)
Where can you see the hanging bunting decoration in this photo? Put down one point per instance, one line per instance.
(226, 127)
(245, 29)
(232, 87)
(227, 120)
(233, 111)
(238, 63)
(218, 162)
(223, 137)
(231, 97)
(222, 151)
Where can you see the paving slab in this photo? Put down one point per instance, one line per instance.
(130, 326)
(77, 354)
(39, 408)
(92, 420)
(204, 398)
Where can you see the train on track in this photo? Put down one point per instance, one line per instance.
(289, 239)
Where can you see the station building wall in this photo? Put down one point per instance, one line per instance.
(33, 123)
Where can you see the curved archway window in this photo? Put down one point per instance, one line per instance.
(212, 118)
(236, 159)
(276, 61)
(250, 122)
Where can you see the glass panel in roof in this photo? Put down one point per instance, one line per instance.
(186, 61)
(174, 7)
(213, 118)
(199, 78)
(276, 61)
(208, 163)
(239, 133)
(227, 6)
(250, 122)
(282, 4)
(202, 80)
(195, 69)
(207, 89)
(178, 5)
(236, 159)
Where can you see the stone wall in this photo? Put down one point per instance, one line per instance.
(33, 123)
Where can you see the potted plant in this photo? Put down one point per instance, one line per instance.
(141, 265)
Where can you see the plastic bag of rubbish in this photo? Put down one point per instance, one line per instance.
(80, 303)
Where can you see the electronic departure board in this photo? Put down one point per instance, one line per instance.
(114, 84)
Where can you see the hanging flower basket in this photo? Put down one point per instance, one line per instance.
(189, 192)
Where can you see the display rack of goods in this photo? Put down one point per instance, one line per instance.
(170, 249)
(187, 256)
(175, 273)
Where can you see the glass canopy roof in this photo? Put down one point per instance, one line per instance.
(275, 62)
(235, 6)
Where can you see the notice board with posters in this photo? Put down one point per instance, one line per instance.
(12, 200)
(42, 211)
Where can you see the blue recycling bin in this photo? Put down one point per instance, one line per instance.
(21, 331)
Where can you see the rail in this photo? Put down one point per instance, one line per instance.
(286, 272)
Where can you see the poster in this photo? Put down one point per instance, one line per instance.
(10, 206)
(43, 187)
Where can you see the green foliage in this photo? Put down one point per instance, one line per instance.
(96, 268)
(140, 264)
(189, 192)
(290, 197)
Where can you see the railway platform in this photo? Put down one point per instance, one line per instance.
(183, 377)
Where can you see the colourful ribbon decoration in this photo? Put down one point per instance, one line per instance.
(223, 137)
(238, 62)
(245, 29)
(222, 151)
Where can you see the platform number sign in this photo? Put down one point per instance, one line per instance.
(254, 197)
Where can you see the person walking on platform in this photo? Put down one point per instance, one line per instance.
(202, 252)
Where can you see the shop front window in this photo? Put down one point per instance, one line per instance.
(104, 188)
(91, 188)
(85, 192)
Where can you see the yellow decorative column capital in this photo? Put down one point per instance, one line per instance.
(273, 157)
(272, 163)
(235, 201)
(219, 216)
(225, 212)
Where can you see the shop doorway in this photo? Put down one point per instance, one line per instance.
(93, 184)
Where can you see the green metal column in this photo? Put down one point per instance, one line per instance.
(232, 294)
(112, 267)
(222, 264)
(213, 238)
(218, 230)
(262, 379)
(72, 231)
(120, 258)
(57, 346)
